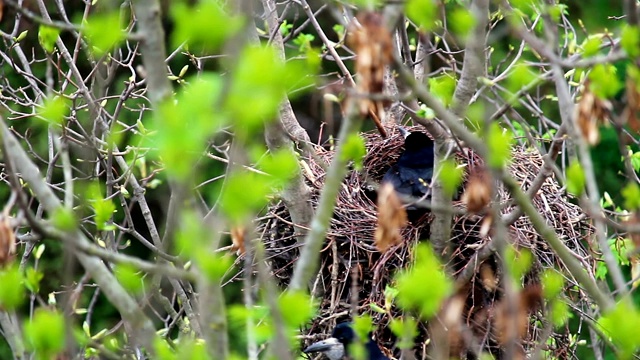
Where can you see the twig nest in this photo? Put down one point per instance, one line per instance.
(351, 262)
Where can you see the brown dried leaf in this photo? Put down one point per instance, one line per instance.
(589, 113)
(529, 300)
(634, 220)
(477, 194)
(485, 227)
(635, 271)
(7, 242)
(488, 277)
(1, 9)
(371, 41)
(451, 324)
(237, 238)
(632, 110)
(392, 217)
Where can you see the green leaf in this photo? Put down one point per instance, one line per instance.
(499, 146)
(261, 79)
(443, 87)
(244, 194)
(32, 278)
(630, 40)
(374, 307)
(635, 160)
(297, 308)
(191, 235)
(518, 261)
(103, 208)
(557, 10)
(575, 178)
(353, 149)
(54, 110)
(560, 312)
(476, 114)
(621, 325)
(103, 32)
(285, 28)
(604, 82)
(591, 46)
(526, 7)
(199, 25)
(192, 349)
(552, 283)
(462, 22)
(339, 30)
(521, 77)
(163, 350)
(185, 125)
(45, 333)
(631, 195)
(64, 219)
(601, 270)
(130, 278)
(450, 176)
(405, 329)
(423, 12)
(12, 292)
(303, 41)
(424, 286)
(214, 266)
(282, 165)
(47, 37)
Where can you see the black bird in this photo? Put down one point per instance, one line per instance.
(337, 346)
(412, 173)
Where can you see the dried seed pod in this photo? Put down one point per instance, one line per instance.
(589, 113)
(506, 318)
(371, 41)
(632, 110)
(392, 217)
(477, 194)
(488, 277)
(237, 238)
(7, 242)
(634, 260)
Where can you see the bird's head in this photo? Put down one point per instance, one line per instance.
(331, 347)
(417, 141)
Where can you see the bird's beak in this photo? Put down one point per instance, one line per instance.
(322, 346)
(404, 132)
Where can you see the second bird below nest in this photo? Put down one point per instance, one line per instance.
(337, 346)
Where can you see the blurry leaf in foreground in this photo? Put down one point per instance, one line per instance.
(45, 333)
(424, 286)
(104, 32)
(621, 324)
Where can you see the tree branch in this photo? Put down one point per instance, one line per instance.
(307, 264)
(142, 328)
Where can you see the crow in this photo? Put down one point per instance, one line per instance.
(411, 174)
(337, 346)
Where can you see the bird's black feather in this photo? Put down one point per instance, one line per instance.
(345, 334)
(412, 173)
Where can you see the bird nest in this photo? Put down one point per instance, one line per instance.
(353, 271)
